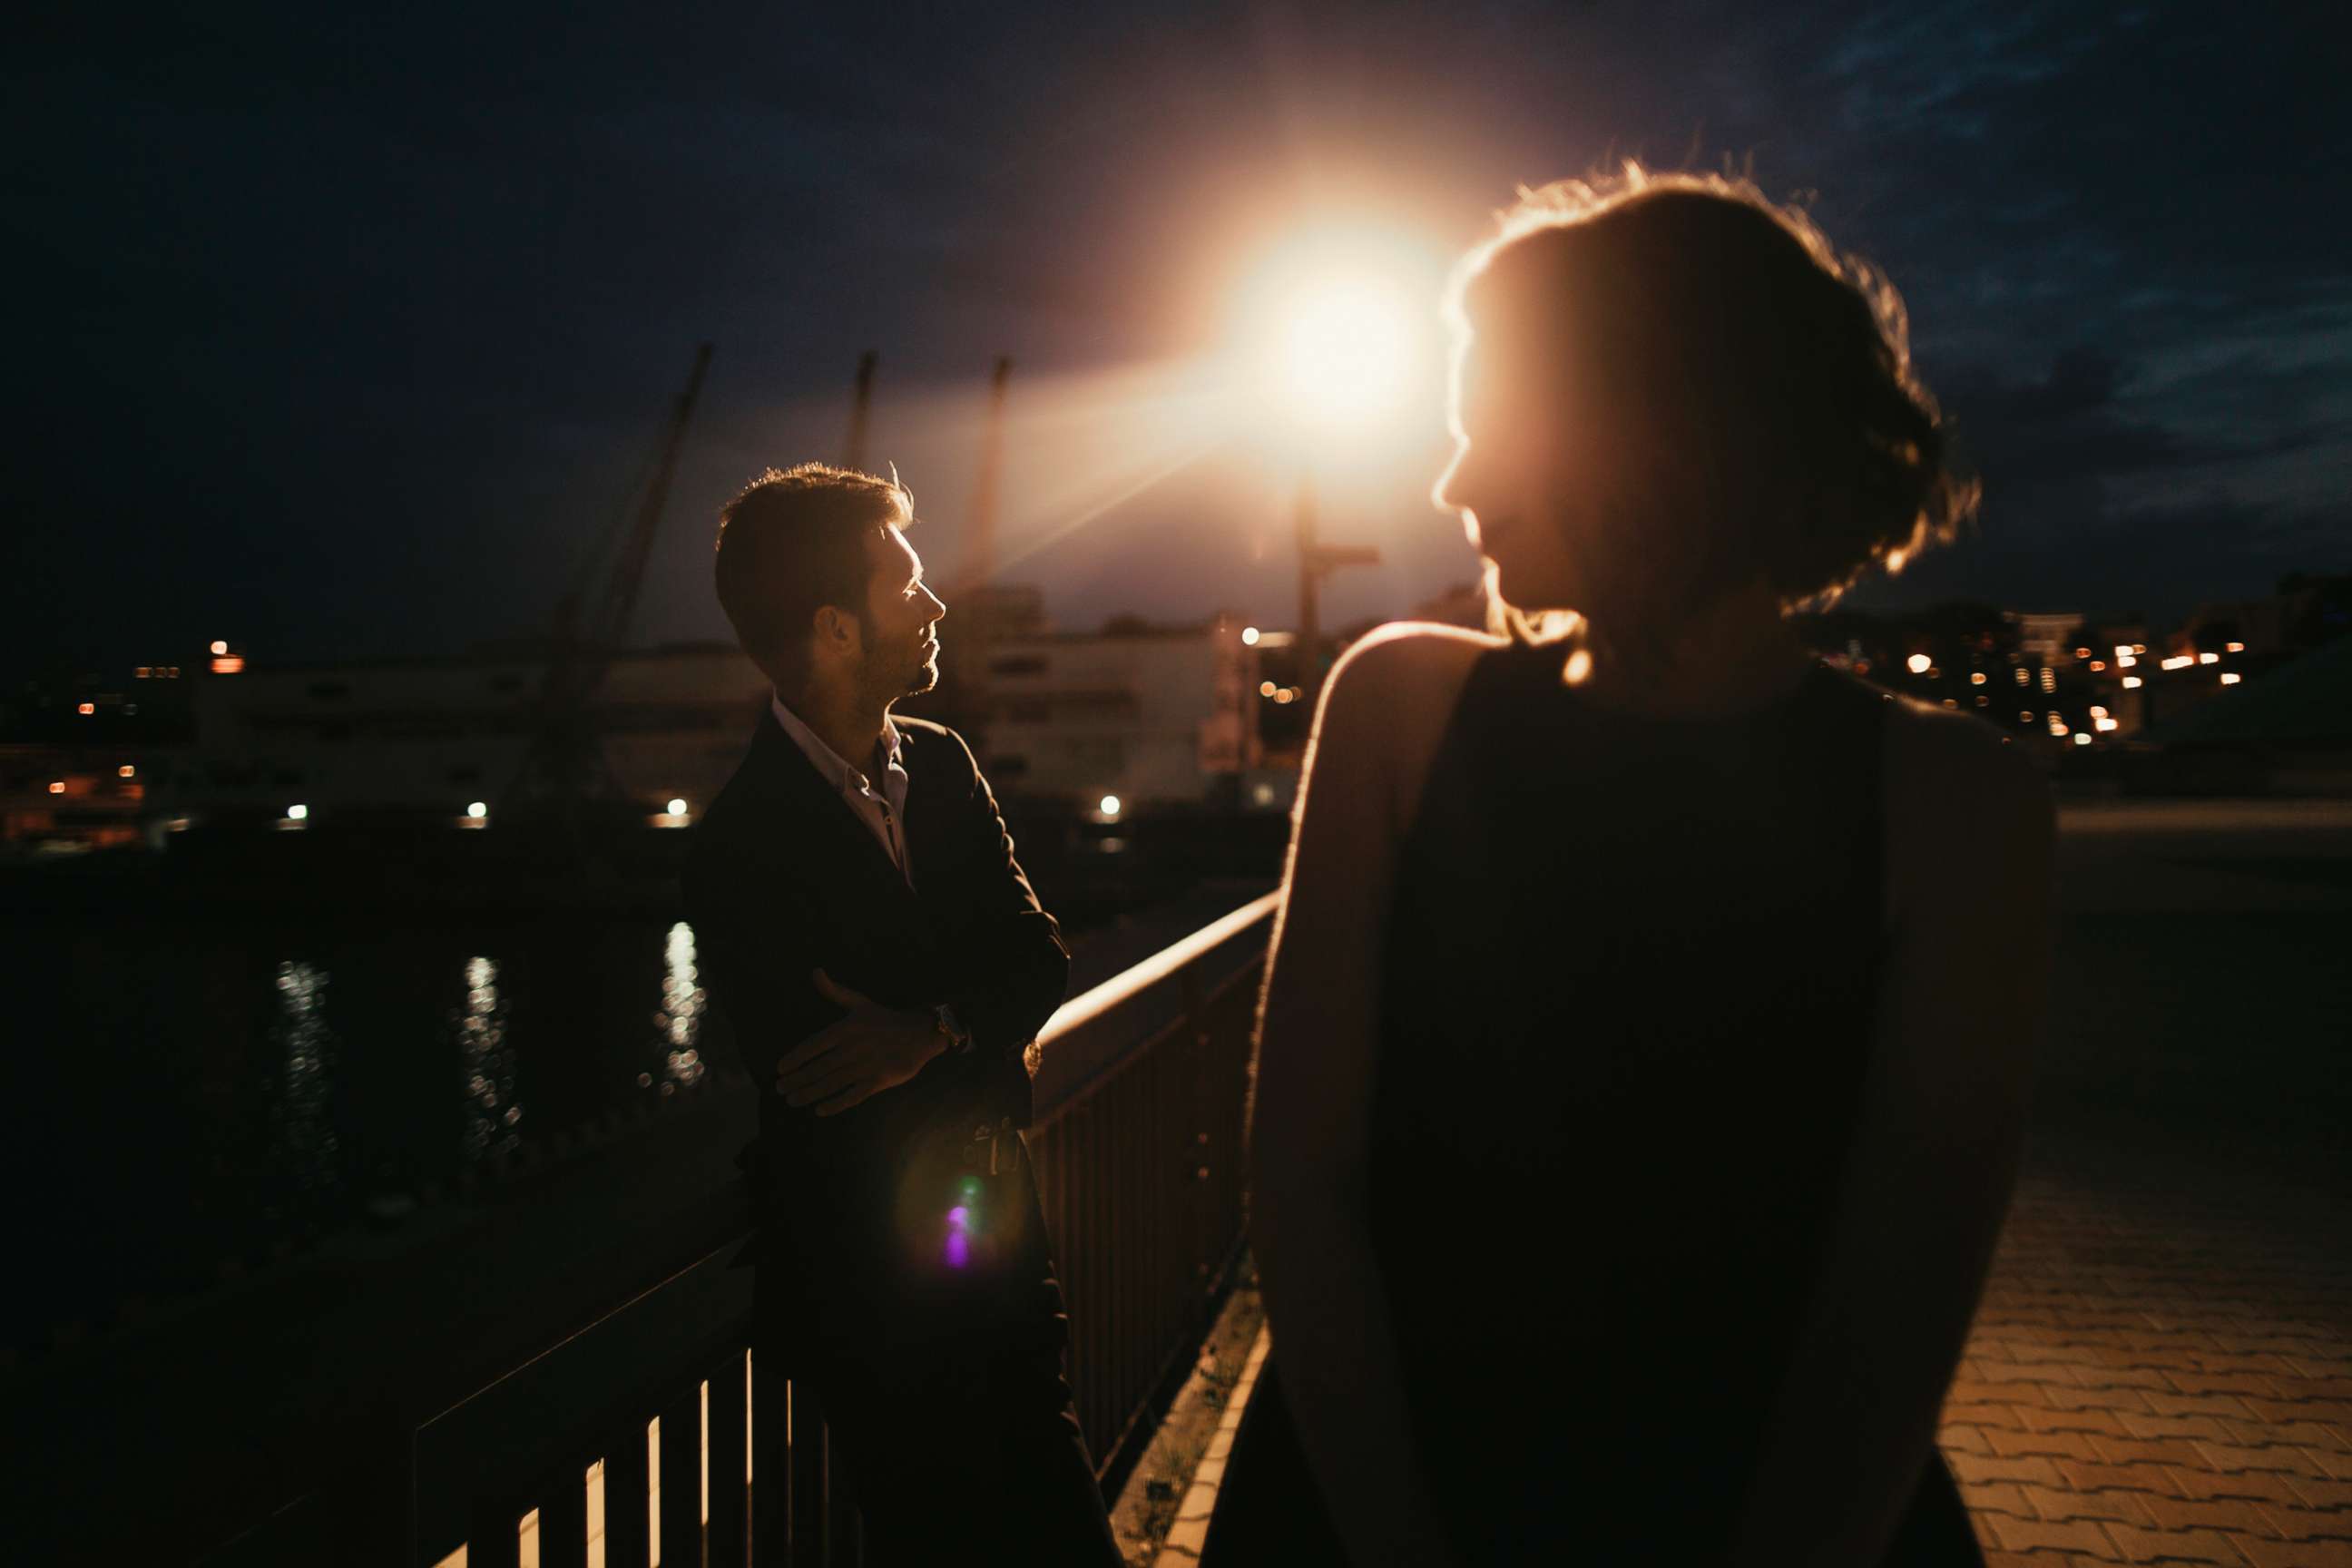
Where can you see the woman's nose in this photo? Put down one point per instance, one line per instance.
(1457, 485)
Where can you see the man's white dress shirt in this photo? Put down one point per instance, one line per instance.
(883, 809)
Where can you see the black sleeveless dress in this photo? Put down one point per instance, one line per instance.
(1626, 1003)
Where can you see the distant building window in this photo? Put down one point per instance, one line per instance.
(1017, 664)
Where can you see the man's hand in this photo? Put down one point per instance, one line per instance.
(874, 1048)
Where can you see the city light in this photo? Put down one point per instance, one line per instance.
(1917, 663)
(2180, 661)
(1266, 688)
(1110, 805)
(2124, 661)
(1249, 636)
(2104, 723)
(2235, 646)
(57, 786)
(219, 647)
(229, 664)
(2131, 683)
(2124, 650)
(2081, 738)
(2209, 659)
(2231, 678)
(2098, 664)
(298, 813)
(1976, 678)
(126, 770)
(676, 806)
(86, 708)
(2098, 712)
(477, 811)
(2021, 676)
(1579, 667)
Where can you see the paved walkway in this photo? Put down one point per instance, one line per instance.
(2161, 1372)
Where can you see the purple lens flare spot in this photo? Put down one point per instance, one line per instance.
(958, 1249)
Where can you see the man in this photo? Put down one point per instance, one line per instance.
(886, 966)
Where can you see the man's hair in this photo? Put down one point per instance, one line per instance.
(1748, 388)
(794, 540)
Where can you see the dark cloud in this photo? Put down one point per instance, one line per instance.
(344, 323)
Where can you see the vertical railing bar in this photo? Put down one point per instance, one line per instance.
(727, 1534)
(681, 1480)
(626, 1484)
(809, 1490)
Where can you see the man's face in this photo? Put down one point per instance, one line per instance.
(902, 617)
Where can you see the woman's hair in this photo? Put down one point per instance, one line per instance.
(1744, 392)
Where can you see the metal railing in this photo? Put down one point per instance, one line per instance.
(640, 1423)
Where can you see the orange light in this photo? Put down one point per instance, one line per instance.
(1917, 663)
(57, 786)
(1977, 679)
(229, 664)
(126, 772)
(2209, 659)
(2098, 664)
(2235, 646)
(220, 647)
(2231, 678)
(87, 708)
(2131, 683)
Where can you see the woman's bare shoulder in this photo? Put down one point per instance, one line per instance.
(1404, 658)
(1938, 753)
(1964, 803)
(1390, 696)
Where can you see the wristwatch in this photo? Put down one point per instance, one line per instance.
(952, 1029)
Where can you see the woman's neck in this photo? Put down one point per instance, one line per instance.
(1729, 655)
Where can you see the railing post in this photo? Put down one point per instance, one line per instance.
(627, 1476)
(681, 1481)
(563, 1520)
(728, 1531)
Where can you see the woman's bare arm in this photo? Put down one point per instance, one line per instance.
(1381, 714)
(1936, 1150)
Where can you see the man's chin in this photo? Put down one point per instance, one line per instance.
(925, 680)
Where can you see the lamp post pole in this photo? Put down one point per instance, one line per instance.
(1316, 560)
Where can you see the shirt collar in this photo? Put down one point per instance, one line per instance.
(846, 778)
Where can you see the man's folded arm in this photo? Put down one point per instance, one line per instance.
(756, 966)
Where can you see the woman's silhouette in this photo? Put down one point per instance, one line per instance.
(1644, 1049)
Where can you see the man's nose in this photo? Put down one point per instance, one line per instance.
(939, 606)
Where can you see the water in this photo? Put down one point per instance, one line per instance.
(187, 1092)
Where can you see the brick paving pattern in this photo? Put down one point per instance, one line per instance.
(2160, 1374)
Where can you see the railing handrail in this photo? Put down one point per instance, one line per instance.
(1085, 1007)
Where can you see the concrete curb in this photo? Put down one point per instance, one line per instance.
(1185, 1538)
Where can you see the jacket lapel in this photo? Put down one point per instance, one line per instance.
(803, 818)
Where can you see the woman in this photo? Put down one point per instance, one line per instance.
(1645, 1043)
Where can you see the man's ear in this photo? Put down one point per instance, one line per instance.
(834, 630)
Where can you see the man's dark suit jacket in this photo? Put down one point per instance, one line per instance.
(783, 878)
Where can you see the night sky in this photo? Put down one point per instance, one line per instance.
(341, 336)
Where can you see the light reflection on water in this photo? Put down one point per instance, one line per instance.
(301, 1095)
(486, 1066)
(681, 1011)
